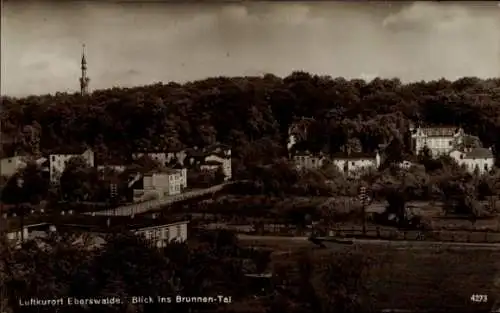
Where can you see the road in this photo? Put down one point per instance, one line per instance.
(143, 207)
(392, 243)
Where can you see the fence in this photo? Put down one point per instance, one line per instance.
(436, 235)
(381, 233)
(146, 206)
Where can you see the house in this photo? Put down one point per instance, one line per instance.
(10, 166)
(183, 174)
(211, 158)
(210, 165)
(353, 162)
(160, 157)
(156, 184)
(58, 161)
(306, 160)
(472, 159)
(157, 231)
(439, 140)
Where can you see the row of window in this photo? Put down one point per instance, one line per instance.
(162, 233)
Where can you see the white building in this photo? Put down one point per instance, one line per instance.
(356, 161)
(57, 163)
(305, 160)
(10, 166)
(439, 140)
(157, 231)
(167, 183)
(161, 235)
(480, 159)
(211, 158)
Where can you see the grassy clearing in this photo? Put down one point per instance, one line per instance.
(431, 278)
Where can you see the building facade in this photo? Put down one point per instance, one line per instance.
(166, 183)
(478, 159)
(58, 162)
(10, 166)
(356, 162)
(162, 235)
(439, 140)
(306, 160)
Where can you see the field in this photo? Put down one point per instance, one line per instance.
(424, 278)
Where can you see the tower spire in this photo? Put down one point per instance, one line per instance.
(84, 80)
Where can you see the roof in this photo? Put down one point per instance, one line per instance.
(308, 154)
(68, 150)
(354, 155)
(211, 162)
(440, 131)
(479, 153)
(217, 146)
(100, 223)
(167, 171)
(191, 152)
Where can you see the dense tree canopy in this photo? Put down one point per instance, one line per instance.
(252, 114)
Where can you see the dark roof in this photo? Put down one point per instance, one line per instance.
(479, 153)
(191, 152)
(440, 131)
(99, 223)
(111, 159)
(307, 153)
(68, 150)
(354, 155)
(217, 146)
(211, 162)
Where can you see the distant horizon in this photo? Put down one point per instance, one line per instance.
(137, 45)
(91, 90)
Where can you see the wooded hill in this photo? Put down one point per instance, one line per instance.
(252, 114)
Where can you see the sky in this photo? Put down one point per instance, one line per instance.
(138, 44)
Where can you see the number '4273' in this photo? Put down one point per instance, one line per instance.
(478, 298)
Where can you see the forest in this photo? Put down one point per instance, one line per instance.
(251, 114)
(212, 264)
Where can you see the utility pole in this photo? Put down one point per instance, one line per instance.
(363, 198)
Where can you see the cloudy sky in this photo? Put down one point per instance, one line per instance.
(131, 44)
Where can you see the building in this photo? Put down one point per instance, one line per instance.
(156, 185)
(306, 160)
(58, 161)
(210, 165)
(350, 163)
(439, 140)
(158, 231)
(211, 158)
(84, 80)
(474, 159)
(10, 166)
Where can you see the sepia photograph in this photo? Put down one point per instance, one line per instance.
(208, 156)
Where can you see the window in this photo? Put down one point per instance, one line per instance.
(53, 158)
(461, 157)
(179, 233)
(352, 163)
(486, 167)
(450, 143)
